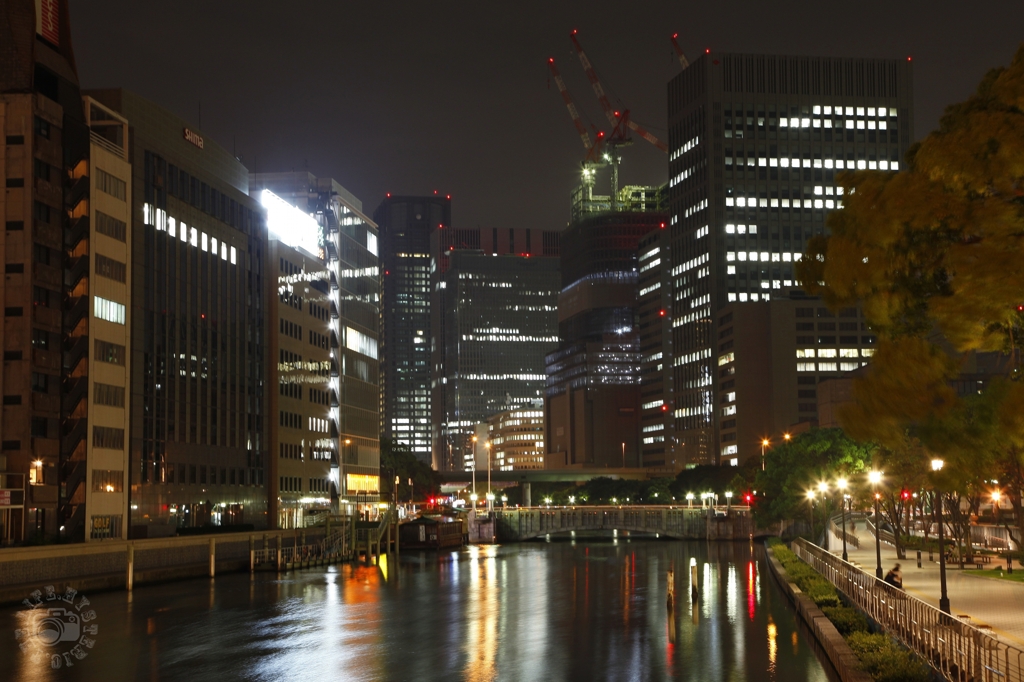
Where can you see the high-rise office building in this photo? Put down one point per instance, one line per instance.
(198, 322)
(324, 396)
(592, 399)
(660, 453)
(62, 425)
(405, 226)
(495, 320)
(756, 143)
(418, 246)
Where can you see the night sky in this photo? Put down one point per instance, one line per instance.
(411, 97)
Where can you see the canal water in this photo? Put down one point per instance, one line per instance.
(560, 610)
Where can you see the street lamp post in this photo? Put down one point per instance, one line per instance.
(937, 465)
(689, 500)
(841, 484)
(490, 496)
(474, 473)
(876, 477)
(823, 489)
(810, 511)
(728, 500)
(764, 444)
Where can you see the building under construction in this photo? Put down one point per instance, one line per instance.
(592, 401)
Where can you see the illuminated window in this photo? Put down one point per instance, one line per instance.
(35, 473)
(805, 366)
(107, 481)
(363, 483)
(361, 343)
(108, 310)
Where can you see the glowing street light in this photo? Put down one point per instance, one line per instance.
(689, 499)
(764, 444)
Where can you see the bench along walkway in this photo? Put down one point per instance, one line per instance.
(987, 603)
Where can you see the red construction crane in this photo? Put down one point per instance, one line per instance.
(679, 51)
(609, 110)
(567, 98)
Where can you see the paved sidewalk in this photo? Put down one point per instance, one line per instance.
(988, 601)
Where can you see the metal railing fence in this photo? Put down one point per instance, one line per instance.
(837, 530)
(961, 652)
(883, 535)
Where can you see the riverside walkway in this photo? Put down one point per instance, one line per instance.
(987, 602)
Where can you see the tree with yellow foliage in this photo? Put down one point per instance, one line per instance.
(936, 257)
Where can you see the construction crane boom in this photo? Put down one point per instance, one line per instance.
(573, 112)
(609, 110)
(679, 51)
(643, 132)
(595, 82)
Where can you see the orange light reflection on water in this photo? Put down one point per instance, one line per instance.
(751, 590)
(482, 613)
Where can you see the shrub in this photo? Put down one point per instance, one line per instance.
(846, 620)
(885, 660)
(821, 593)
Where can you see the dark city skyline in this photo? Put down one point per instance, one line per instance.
(408, 98)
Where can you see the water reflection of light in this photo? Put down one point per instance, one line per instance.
(482, 613)
(773, 647)
(751, 590)
(731, 593)
(710, 596)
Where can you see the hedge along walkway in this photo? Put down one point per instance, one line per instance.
(998, 604)
(856, 654)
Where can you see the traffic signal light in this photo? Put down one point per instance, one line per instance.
(905, 495)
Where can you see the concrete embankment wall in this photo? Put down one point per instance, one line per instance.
(839, 653)
(104, 565)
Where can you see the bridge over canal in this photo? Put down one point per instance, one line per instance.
(683, 523)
